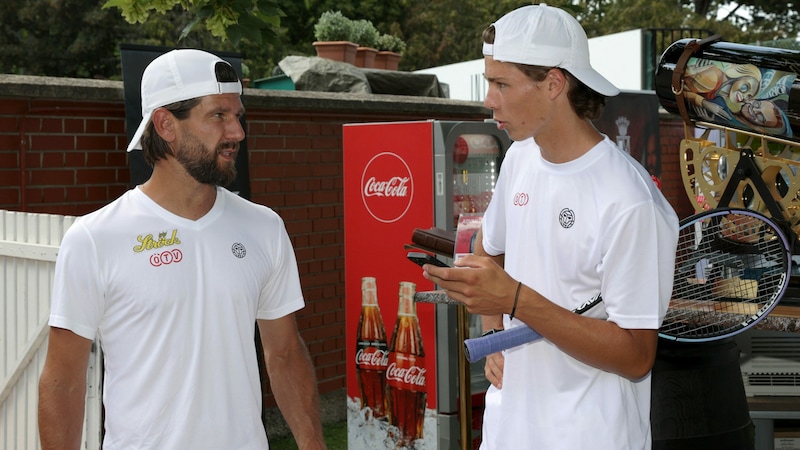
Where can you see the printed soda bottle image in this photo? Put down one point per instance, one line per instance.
(405, 375)
(371, 351)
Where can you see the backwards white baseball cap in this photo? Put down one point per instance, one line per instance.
(179, 75)
(541, 35)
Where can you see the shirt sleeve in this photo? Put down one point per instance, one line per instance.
(637, 267)
(78, 293)
(494, 219)
(282, 293)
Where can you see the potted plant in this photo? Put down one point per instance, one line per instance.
(365, 35)
(334, 34)
(390, 49)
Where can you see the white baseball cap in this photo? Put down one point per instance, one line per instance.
(541, 35)
(179, 75)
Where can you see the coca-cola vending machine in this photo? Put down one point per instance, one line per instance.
(403, 386)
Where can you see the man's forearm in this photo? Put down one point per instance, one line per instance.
(492, 322)
(61, 412)
(496, 321)
(295, 389)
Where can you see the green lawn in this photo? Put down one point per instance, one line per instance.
(335, 437)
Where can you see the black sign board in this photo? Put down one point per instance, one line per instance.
(135, 59)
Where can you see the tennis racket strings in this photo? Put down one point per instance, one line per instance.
(732, 266)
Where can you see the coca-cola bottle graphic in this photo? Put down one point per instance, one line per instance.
(371, 351)
(405, 375)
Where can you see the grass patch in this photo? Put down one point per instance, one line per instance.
(335, 435)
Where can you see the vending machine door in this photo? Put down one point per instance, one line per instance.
(467, 158)
(390, 343)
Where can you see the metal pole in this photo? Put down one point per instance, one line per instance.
(464, 380)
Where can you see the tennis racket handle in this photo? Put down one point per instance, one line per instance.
(480, 347)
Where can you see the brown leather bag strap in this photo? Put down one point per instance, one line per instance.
(680, 67)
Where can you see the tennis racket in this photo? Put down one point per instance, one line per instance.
(732, 266)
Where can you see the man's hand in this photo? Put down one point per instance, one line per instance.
(494, 369)
(478, 282)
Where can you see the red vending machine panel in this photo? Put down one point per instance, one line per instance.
(390, 340)
(402, 366)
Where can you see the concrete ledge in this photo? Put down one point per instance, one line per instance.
(361, 103)
(34, 87)
(66, 88)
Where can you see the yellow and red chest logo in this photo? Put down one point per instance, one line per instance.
(166, 256)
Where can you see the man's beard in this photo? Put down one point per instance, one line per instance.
(202, 164)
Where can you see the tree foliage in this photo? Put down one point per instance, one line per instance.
(254, 20)
(81, 38)
(73, 38)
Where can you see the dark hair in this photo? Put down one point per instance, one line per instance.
(153, 147)
(586, 102)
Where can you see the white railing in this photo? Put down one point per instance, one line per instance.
(28, 247)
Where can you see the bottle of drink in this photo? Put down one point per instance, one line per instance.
(371, 351)
(740, 86)
(405, 375)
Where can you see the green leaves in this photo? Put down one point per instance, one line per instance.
(334, 26)
(233, 20)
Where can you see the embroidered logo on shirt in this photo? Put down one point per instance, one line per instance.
(566, 218)
(148, 242)
(166, 257)
(238, 250)
(521, 199)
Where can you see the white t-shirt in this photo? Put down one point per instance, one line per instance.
(174, 303)
(597, 224)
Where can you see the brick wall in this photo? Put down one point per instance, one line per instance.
(61, 157)
(62, 151)
(671, 132)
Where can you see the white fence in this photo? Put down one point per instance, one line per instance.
(28, 248)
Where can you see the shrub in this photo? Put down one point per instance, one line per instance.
(391, 43)
(365, 34)
(334, 26)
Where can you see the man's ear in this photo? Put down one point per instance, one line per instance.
(164, 124)
(556, 81)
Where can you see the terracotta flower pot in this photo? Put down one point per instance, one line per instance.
(365, 57)
(387, 60)
(343, 51)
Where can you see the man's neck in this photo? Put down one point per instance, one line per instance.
(568, 141)
(176, 191)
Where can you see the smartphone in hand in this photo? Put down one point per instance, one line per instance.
(422, 258)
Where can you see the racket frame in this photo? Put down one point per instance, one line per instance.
(762, 312)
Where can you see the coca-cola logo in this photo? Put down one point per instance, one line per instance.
(387, 187)
(408, 377)
(372, 358)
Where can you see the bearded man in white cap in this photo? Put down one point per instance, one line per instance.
(172, 278)
(571, 217)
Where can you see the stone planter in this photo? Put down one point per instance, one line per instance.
(343, 51)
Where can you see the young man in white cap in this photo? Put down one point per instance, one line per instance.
(571, 217)
(172, 278)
